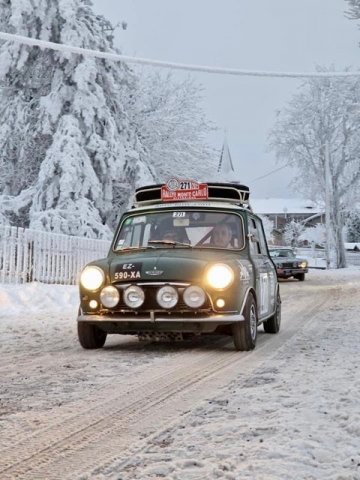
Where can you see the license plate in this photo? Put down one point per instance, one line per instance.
(127, 271)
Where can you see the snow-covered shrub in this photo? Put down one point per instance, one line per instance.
(353, 227)
(315, 234)
(292, 232)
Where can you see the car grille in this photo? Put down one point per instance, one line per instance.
(150, 302)
(288, 265)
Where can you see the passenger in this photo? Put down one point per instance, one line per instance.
(168, 232)
(221, 236)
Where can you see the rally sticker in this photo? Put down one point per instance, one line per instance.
(128, 271)
(139, 219)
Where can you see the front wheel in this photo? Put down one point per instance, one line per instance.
(272, 325)
(245, 332)
(300, 276)
(90, 336)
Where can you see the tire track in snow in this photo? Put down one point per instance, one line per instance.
(74, 444)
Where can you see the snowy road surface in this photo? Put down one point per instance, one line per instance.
(193, 410)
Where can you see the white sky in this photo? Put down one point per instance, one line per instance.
(280, 35)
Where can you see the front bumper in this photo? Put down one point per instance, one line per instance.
(158, 318)
(290, 272)
(158, 322)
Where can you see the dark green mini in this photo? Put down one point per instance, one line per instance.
(187, 259)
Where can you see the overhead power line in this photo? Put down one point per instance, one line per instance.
(158, 63)
(269, 173)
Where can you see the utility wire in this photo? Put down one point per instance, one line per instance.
(158, 63)
(269, 173)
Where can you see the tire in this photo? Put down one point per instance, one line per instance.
(90, 336)
(300, 277)
(272, 325)
(245, 332)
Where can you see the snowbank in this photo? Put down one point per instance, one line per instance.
(35, 297)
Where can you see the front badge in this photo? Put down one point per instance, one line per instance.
(154, 272)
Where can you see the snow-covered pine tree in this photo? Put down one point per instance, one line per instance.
(78, 134)
(320, 127)
(64, 129)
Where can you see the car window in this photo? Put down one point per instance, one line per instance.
(261, 236)
(195, 228)
(254, 237)
(282, 253)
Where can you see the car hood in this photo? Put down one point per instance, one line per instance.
(184, 265)
(281, 260)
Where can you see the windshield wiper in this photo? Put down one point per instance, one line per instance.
(126, 249)
(171, 243)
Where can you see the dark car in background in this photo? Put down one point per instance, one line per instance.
(187, 259)
(288, 264)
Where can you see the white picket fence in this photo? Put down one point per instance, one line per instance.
(29, 256)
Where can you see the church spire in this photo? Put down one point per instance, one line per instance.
(226, 166)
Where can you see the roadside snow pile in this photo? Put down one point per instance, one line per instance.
(37, 297)
(348, 276)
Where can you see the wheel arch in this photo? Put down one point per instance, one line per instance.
(249, 291)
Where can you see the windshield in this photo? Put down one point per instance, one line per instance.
(181, 228)
(282, 253)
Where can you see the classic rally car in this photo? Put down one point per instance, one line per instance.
(187, 259)
(288, 264)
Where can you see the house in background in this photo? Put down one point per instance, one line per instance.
(284, 210)
(279, 210)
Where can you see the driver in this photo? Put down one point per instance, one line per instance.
(221, 236)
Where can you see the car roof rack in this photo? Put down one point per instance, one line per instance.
(234, 193)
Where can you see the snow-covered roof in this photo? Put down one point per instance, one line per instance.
(268, 206)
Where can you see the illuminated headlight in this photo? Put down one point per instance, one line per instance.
(194, 296)
(220, 276)
(303, 264)
(167, 297)
(134, 296)
(109, 296)
(92, 278)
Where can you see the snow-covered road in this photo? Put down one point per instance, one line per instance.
(191, 410)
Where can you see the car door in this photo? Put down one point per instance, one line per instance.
(265, 273)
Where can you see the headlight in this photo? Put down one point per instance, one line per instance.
(220, 276)
(92, 278)
(194, 296)
(109, 296)
(303, 264)
(167, 297)
(134, 296)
